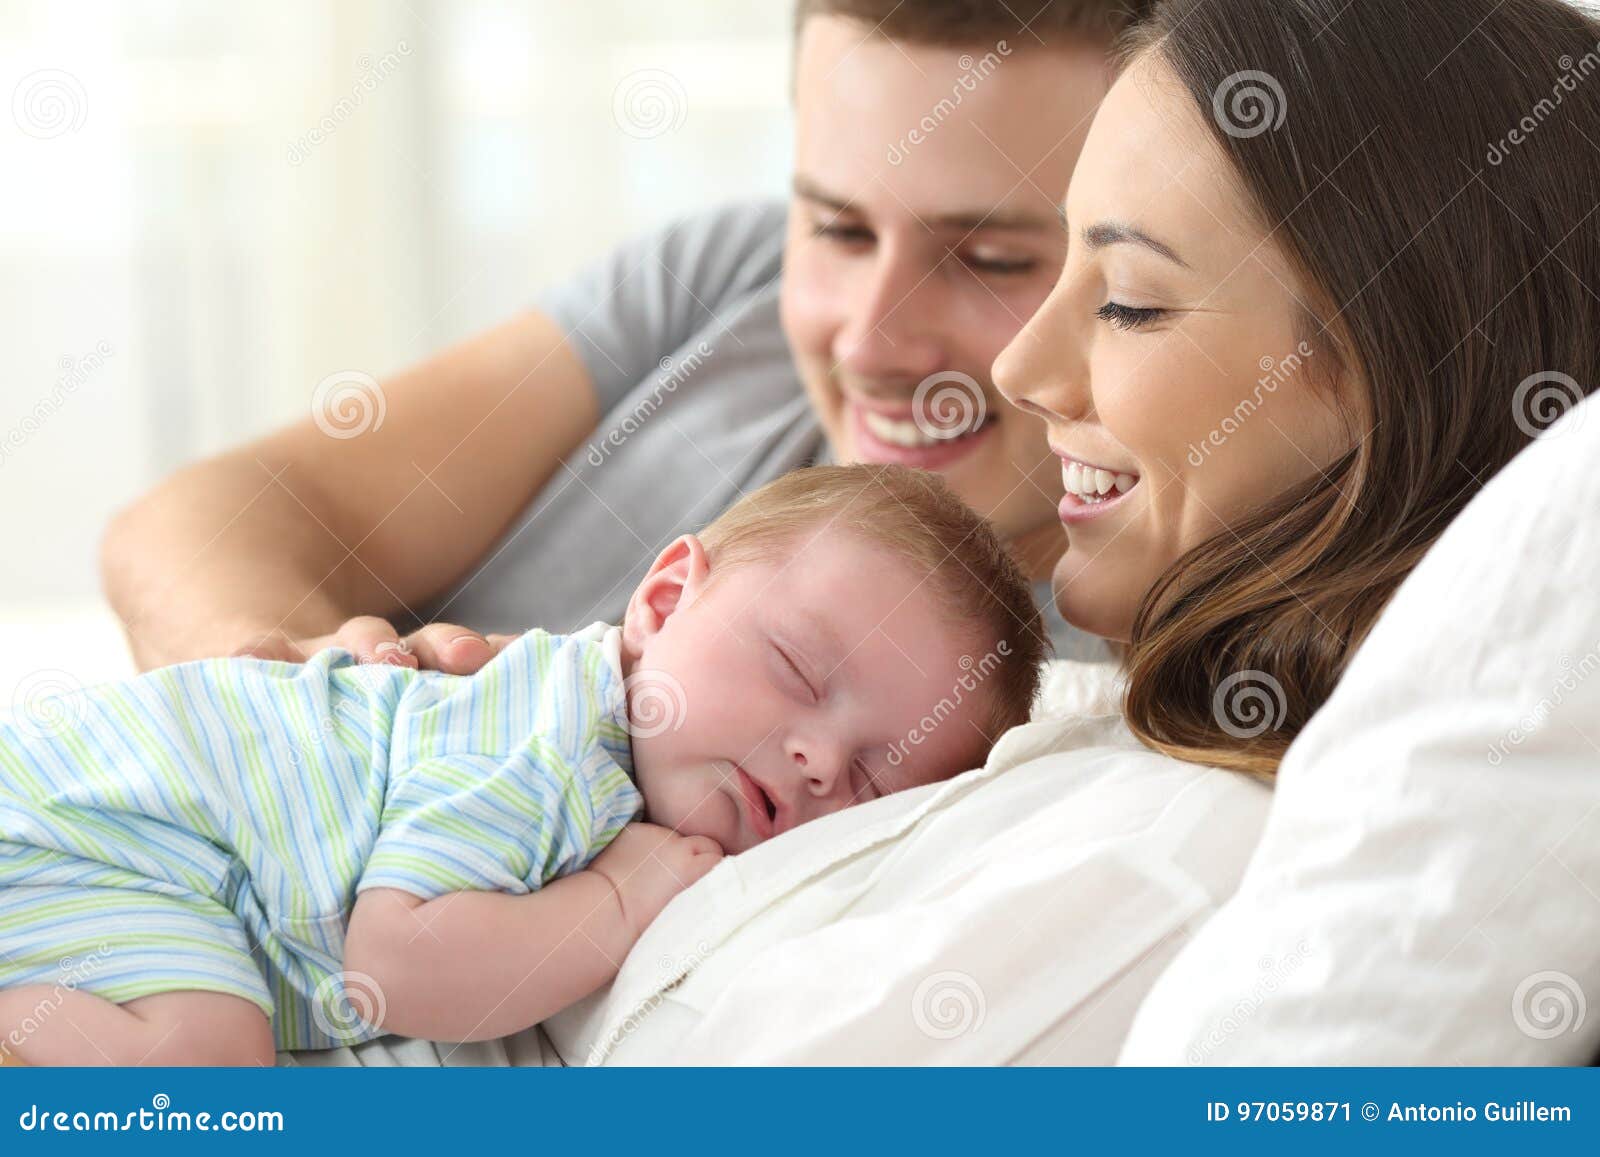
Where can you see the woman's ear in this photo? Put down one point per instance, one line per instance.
(675, 579)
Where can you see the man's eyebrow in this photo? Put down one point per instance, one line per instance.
(1116, 233)
(966, 220)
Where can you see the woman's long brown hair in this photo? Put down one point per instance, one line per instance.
(1435, 177)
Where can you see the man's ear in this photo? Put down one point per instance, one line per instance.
(675, 580)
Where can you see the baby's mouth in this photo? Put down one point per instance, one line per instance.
(759, 806)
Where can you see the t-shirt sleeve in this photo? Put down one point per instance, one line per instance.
(645, 300)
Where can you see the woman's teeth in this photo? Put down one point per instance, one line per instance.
(907, 434)
(1094, 485)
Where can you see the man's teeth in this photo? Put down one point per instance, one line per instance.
(1093, 485)
(907, 434)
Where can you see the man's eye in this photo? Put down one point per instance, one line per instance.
(1000, 266)
(843, 234)
(1126, 316)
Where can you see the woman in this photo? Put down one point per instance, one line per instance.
(1307, 303)
(1304, 317)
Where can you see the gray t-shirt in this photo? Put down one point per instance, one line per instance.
(700, 403)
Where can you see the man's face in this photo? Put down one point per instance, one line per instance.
(923, 233)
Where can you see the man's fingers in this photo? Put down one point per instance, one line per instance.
(447, 647)
(275, 645)
(373, 640)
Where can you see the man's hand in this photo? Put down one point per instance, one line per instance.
(648, 865)
(435, 647)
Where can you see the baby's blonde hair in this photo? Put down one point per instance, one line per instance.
(918, 518)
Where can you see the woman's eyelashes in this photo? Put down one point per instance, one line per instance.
(1127, 316)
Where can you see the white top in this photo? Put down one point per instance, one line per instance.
(1018, 913)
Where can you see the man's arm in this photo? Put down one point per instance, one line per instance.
(293, 534)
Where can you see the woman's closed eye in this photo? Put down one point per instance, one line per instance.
(1127, 316)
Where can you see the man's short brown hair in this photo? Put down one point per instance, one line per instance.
(962, 23)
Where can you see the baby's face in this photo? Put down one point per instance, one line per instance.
(785, 691)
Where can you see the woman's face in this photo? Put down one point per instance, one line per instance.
(1168, 362)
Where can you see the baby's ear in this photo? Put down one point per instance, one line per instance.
(674, 581)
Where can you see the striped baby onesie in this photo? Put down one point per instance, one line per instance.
(208, 825)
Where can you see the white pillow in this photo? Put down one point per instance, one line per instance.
(1017, 913)
(1428, 887)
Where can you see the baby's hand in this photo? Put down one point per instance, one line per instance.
(648, 865)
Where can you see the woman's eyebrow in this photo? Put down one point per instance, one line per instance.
(1116, 233)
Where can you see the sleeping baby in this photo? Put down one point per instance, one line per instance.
(227, 857)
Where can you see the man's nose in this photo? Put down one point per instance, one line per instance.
(891, 331)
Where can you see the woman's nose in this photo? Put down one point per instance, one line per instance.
(1044, 370)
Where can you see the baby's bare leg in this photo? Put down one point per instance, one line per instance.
(43, 1024)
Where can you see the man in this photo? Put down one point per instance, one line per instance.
(529, 476)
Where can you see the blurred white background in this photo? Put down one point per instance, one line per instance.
(207, 208)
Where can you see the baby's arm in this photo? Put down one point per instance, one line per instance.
(478, 965)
